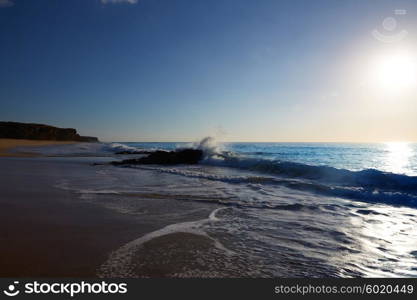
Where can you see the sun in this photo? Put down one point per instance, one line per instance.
(395, 71)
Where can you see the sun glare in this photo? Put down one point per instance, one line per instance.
(398, 155)
(395, 71)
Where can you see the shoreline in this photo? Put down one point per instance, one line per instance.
(73, 216)
(47, 230)
(6, 145)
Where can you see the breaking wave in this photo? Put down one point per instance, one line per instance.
(359, 193)
(368, 185)
(369, 179)
(117, 147)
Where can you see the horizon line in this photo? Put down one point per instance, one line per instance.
(253, 142)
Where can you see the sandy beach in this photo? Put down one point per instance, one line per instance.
(64, 236)
(46, 231)
(50, 230)
(69, 212)
(6, 145)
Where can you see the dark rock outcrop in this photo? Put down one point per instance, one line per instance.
(15, 130)
(134, 152)
(185, 156)
(88, 139)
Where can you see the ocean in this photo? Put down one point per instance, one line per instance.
(395, 157)
(270, 209)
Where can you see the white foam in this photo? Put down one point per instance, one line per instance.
(117, 147)
(120, 262)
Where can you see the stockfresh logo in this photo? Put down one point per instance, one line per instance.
(59, 288)
(12, 290)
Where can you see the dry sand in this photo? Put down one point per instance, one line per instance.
(8, 144)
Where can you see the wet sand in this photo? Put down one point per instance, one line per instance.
(6, 145)
(49, 232)
(187, 255)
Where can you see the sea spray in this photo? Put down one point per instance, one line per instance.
(211, 148)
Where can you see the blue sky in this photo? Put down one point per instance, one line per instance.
(241, 70)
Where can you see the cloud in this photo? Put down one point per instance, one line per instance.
(116, 1)
(6, 3)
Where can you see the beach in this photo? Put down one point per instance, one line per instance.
(7, 145)
(49, 231)
(44, 230)
(67, 212)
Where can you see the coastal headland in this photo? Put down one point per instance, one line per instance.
(15, 134)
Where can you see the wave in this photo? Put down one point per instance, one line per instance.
(367, 185)
(369, 179)
(359, 193)
(117, 147)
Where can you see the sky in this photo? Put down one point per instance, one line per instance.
(238, 70)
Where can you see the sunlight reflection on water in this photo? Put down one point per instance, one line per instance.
(391, 240)
(385, 238)
(398, 157)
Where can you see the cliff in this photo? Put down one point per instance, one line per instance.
(15, 130)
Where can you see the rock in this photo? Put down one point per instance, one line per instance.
(15, 130)
(88, 139)
(134, 152)
(184, 156)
